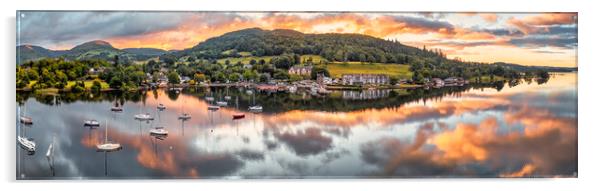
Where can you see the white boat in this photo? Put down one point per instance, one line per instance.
(222, 103)
(209, 98)
(184, 116)
(249, 92)
(256, 108)
(143, 116)
(158, 131)
(107, 146)
(213, 107)
(161, 106)
(227, 97)
(26, 120)
(27, 143)
(91, 123)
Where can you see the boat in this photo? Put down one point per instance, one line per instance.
(249, 92)
(237, 115)
(108, 146)
(256, 108)
(91, 123)
(27, 143)
(213, 107)
(184, 116)
(116, 109)
(227, 97)
(160, 131)
(222, 103)
(143, 117)
(161, 107)
(24, 119)
(209, 98)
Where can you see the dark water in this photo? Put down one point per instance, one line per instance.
(528, 130)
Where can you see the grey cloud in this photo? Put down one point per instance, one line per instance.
(49, 28)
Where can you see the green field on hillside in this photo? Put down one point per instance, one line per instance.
(337, 69)
(245, 60)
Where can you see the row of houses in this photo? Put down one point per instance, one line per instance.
(364, 79)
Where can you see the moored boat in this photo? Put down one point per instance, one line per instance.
(27, 143)
(143, 117)
(91, 123)
(158, 131)
(161, 107)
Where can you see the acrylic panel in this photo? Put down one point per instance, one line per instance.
(253, 95)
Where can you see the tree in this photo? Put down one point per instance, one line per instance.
(173, 77)
(116, 82)
(138, 77)
(199, 77)
(264, 77)
(319, 70)
(234, 77)
(96, 86)
(281, 75)
(249, 75)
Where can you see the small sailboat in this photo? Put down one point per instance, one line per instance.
(158, 131)
(143, 117)
(27, 143)
(116, 108)
(222, 103)
(237, 115)
(255, 108)
(107, 146)
(91, 123)
(184, 115)
(161, 107)
(25, 119)
(213, 108)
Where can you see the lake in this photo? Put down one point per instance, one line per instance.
(523, 129)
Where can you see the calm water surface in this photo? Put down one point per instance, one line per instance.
(527, 130)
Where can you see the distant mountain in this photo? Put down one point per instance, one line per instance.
(31, 52)
(96, 49)
(524, 68)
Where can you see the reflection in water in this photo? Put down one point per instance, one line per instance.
(527, 130)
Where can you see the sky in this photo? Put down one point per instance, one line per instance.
(548, 39)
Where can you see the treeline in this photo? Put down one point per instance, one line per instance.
(55, 73)
(333, 47)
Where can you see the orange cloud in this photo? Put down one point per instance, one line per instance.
(542, 21)
(527, 170)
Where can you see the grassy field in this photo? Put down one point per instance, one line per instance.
(246, 59)
(88, 84)
(337, 69)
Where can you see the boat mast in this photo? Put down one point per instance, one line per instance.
(106, 131)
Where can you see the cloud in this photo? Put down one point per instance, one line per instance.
(307, 142)
(540, 22)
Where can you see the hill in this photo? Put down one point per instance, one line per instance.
(333, 47)
(96, 49)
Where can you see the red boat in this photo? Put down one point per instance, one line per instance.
(238, 116)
